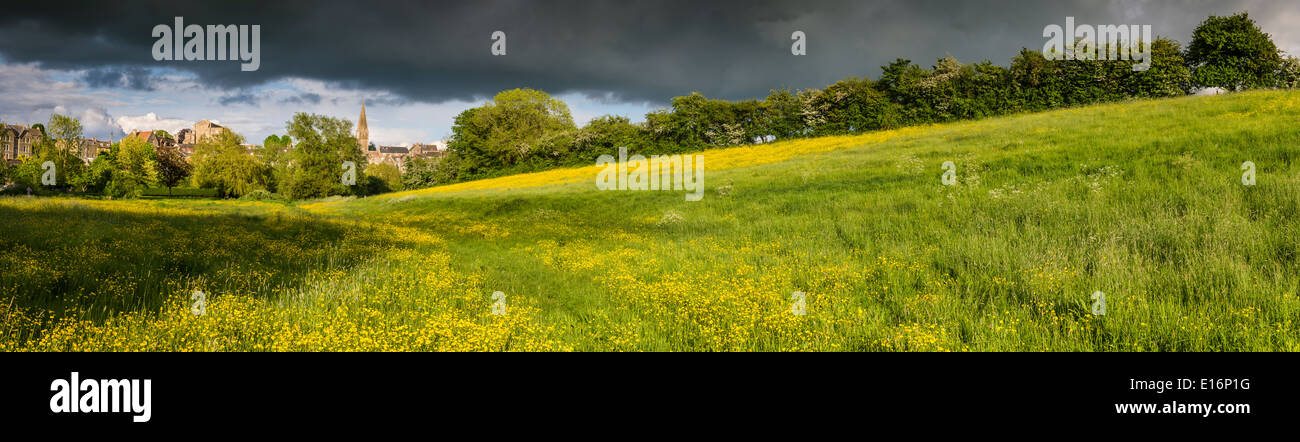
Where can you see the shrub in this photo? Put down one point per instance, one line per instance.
(180, 192)
(263, 195)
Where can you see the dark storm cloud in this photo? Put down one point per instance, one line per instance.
(135, 78)
(240, 97)
(308, 98)
(614, 50)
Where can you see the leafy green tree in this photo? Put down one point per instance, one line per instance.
(937, 90)
(67, 166)
(27, 174)
(419, 172)
(748, 120)
(602, 135)
(1233, 53)
(277, 141)
(690, 120)
(64, 138)
(172, 167)
(96, 178)
(383, 177)
(984, 89)
(1289, 74)
(1168, 75)
(137, 167)
(1035, 82)
(503, 132)
(782, 114)
(324, 143)
(899, 78)
(274, 153)
(275, 159)
(221, 162)
(852, 105)
(427, 172)
(695, 121)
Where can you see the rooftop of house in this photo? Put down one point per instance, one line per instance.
(18, 129)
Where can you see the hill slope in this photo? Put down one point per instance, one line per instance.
(1141, 201)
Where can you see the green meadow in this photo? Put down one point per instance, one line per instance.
(1142, 201)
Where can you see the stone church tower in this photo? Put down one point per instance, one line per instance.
(363, 133)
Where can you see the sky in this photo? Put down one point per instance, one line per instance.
(416, 65)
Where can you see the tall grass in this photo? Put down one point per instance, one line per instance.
(1142, 201)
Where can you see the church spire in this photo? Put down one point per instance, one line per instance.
(363, 133)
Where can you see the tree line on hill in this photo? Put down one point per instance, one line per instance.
(524, 130)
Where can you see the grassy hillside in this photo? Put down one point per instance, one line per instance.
(1143, 201)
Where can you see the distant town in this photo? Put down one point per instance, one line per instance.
(19, 140)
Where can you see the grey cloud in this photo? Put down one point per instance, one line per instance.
(631, 50)
(308, 98)
(136, 78)
(240, 97)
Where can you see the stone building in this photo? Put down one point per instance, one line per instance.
(91, 148)
(187, 139)
(395, 155)
(16, 140)
(398, 155)
(204, 129)
(428, 150)
(152, 137)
